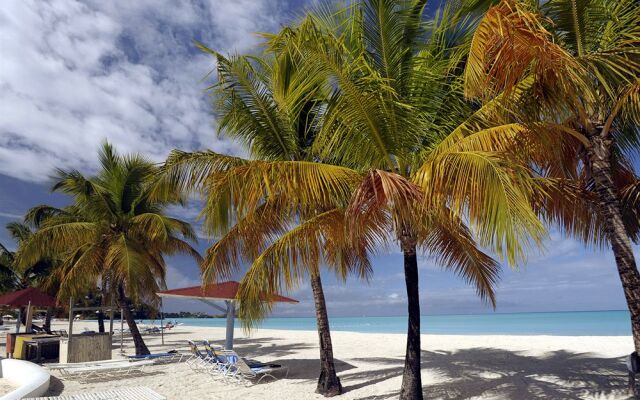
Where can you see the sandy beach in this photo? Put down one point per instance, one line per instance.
(370, 366)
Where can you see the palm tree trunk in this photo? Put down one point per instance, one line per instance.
(102, 301)
(47, 319)
(600, 160)
(328, 382)
(100, 321)
(123, 303)
(599, 155)
(411, 378)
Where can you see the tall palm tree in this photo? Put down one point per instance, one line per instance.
(272, 107)
(575, 62)
(114, 234)
(401, 152)
(429, 163)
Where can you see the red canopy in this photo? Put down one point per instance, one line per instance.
(24, 296)
(216, 291)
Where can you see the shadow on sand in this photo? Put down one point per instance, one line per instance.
(497, 373)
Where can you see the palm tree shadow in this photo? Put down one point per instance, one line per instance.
(486, 372)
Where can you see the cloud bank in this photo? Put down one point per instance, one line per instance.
(76, 73)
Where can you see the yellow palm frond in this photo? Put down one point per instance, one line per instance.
(79, 271)
(244, 242)
(511, 43)
(53, 241)
(382, 191)
(569, 205)
(492, 190)
(297, 254)
(296, 184)
(128, 262)
(187, 172)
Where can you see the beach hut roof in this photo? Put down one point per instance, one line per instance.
(25, 296)
(217, 291)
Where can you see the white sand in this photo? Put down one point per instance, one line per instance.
(6, 386)
(370, 366)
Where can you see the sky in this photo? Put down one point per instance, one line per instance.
(74, 73)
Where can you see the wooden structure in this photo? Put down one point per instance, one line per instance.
(223, 291)
(86, 346)
(31, 298)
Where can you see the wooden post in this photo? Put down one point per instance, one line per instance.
(70, 325)
(18, 320)
(111, 320)
(29, 319)
(231, 310)
(161, 323)
(121, 331)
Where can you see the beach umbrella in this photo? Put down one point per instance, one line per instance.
(223, 291)
(29, 297)
(25, 296)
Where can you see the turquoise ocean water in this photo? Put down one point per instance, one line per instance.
(587, 323)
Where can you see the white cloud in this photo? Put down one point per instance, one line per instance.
(73, 74)
(177, 279)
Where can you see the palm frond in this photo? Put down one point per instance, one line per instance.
(493, 191)
(511, 43)
(295, 255)
(453, 246)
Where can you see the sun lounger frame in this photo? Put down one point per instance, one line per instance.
(105, 369)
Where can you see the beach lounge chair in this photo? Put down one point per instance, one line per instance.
(216, 359)
(101, 369)
(255, 373)
(126, 393)
(198, 360)
(169, 356)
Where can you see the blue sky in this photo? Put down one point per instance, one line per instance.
(75, 73)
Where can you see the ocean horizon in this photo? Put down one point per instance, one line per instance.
(557, 323)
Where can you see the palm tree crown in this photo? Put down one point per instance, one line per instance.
(114, 233)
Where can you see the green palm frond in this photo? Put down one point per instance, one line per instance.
(19, 231)
(55, 240)
(115, 232)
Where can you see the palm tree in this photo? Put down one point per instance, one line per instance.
(113, 234)
(575, 62)
(397, 149)
(38, 274)
(273, 107)
(8, 278)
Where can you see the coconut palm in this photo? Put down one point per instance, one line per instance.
(397, 149)
(113, 234)
(273, 107)
(575, 62)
